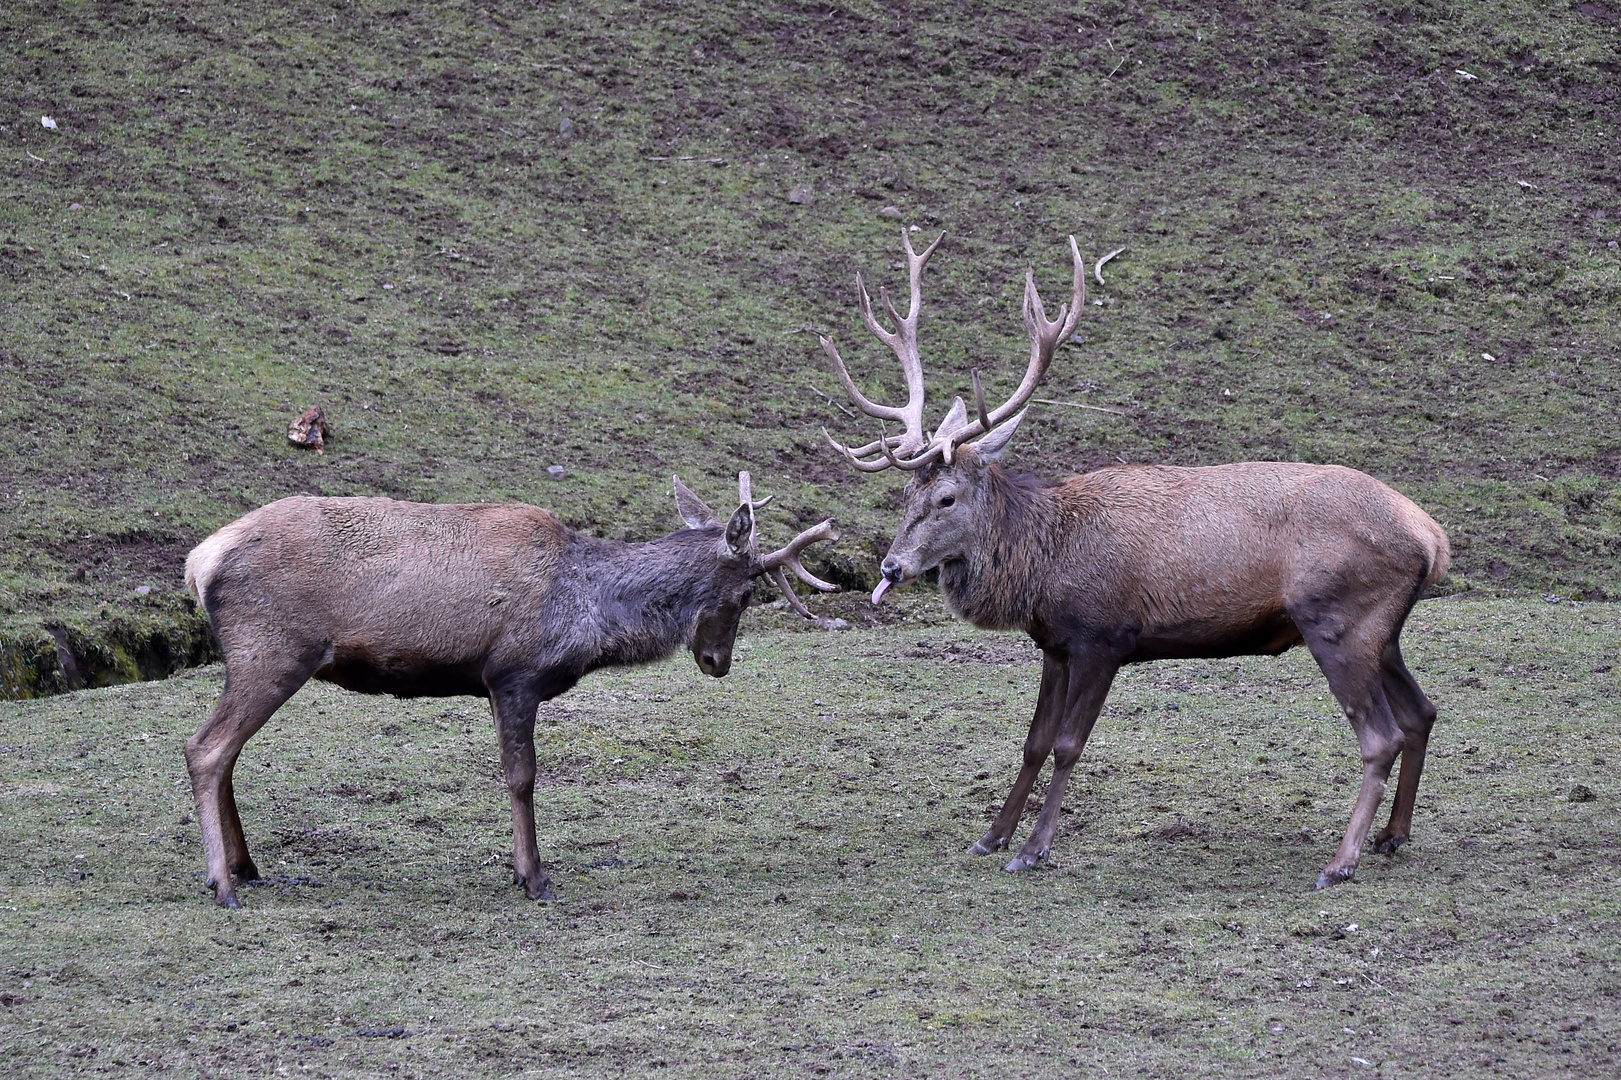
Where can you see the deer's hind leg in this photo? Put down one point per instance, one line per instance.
(236, 842)
(1038, 745)
(1347, 647)
(252, 694)
(1415, 714)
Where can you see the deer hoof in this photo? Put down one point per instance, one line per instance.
(541, 891)
(1387, 845)
(246, 871)
(1333, 877)
(225, 897)
(1025, 860)
(980, 847)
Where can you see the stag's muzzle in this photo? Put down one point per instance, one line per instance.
(893, 573)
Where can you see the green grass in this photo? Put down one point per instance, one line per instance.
(492, 238)
(475, 236)
(764, 875)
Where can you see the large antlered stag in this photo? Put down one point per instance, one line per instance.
(1138, 563)
(416, 600)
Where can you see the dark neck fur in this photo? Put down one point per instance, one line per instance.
(643, 600)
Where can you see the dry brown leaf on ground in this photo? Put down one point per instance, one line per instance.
(310, 430)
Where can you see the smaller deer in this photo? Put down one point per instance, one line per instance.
(417, 600)
(1126, 565)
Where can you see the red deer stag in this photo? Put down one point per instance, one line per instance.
(1135, 563)
(496, 601)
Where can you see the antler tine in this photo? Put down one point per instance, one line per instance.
(789, 556)
(915, 265)
(864, 301)
(781, 579)
(850, 453)
(979, 403)
(1078, 297)
(871, 408)
(876, 447)
(1045, 337)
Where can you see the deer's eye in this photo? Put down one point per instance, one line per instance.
(948, 501)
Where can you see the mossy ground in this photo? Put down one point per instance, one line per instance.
(765, 874)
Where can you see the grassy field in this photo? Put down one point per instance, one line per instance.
(765, 875)
(491, 239)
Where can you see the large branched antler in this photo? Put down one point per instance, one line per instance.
(913, 449)
(903, 340)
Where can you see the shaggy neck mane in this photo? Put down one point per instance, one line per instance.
(648, 596)
(998, 584)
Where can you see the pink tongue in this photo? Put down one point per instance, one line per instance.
(878, 593)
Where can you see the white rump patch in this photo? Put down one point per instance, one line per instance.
(204, 559)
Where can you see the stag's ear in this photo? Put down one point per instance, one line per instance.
(740, 531)
(990, 447)
(690, 507)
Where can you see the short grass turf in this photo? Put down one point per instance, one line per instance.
(492, 238)
(765, 875)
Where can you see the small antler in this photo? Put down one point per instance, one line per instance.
(788, 558)
(913, 450)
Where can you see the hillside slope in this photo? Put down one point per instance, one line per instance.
(489, 239)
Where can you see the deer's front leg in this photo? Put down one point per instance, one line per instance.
(514, 709)
(1038, 744)
(1088, 685)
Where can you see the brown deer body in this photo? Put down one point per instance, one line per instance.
(496, 601)
(1138, 563)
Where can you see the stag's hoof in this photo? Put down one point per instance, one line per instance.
(246, 871)
(225, 897)
(1026, 860)
(987, 845)
(1334, 877)
(539, 890)
(1387, 845)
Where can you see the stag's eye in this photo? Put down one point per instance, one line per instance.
(948, 501)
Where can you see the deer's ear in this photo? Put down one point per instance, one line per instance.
(740, 531)
(690, 507)
(990, 447)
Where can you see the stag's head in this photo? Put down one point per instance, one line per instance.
(945, 498)
(738, 565)
(945, 507)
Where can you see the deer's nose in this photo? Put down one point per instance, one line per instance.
(714, 663)
(892, 569)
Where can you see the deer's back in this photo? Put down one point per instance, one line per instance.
(1214, 555)
(392, 586)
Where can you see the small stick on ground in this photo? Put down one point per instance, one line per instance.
(1375, 982)
(1097, 271)
(1078, 405)
(829, 400)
